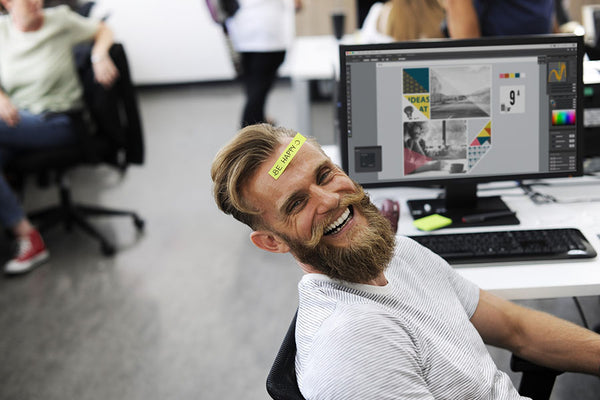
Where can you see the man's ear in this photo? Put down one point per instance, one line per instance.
(268, 241)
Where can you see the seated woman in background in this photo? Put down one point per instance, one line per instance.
(39, 94)
(399, 20)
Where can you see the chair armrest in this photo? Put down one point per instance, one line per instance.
(518, 364)
(537, 381)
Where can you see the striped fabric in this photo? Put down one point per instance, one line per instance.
(411, 339)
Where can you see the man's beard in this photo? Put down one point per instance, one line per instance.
(370, 251)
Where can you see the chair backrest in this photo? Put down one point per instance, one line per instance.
(114, 112)
(86, 8)
(112, 133)
(281, 381)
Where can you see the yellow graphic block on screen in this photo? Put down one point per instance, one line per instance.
(420, 102)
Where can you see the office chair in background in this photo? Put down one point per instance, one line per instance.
(536, 381)
(110, 132)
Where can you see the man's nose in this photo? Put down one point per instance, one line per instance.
(326, 199)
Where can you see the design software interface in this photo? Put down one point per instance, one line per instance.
(459, 112)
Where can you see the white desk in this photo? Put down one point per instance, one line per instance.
(311, 58)
(532, 279)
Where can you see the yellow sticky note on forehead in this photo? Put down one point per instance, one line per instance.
(286, 157)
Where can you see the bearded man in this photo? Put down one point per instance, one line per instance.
(379, 316)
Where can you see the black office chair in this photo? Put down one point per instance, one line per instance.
(536, 381)
(109, 132)
(281, 381)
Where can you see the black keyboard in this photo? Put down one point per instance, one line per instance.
(516, 245)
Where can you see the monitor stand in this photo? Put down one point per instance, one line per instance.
(461, 200)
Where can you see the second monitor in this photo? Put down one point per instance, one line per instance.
(459, 113)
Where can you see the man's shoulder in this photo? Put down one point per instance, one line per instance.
(361, 346)
(57, 11)
(409, 250)
(57, 17)
(352, 328)
(351, 325)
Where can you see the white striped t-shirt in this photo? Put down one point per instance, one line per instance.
(410, 339)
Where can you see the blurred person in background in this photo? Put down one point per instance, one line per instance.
(40, 96)
(399, 20)
(474, 18)
(258, 31)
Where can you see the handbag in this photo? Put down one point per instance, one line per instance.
(220, 10)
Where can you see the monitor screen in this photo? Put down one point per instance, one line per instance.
(461, 112)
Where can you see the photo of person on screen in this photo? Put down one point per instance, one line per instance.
(435, 146)
(413, 136)
(416, 158)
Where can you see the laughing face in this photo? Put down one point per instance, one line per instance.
(316, 212)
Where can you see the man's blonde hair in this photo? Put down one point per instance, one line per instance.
(237, 162)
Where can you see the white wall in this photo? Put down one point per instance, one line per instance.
(168, 41)
(172, 41)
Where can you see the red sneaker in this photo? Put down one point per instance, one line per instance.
(31, 252)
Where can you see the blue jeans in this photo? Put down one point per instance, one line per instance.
(34, 131)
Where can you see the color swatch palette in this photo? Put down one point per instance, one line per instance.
(563, 117)
(512, 75)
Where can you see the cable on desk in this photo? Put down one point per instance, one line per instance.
(581, 314)
(542, 198)
(535, 196)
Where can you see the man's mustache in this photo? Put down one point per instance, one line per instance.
(353, 199)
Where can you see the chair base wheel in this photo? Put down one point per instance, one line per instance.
(108, 249)
(139, 223)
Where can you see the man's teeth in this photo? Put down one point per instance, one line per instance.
(336, 226)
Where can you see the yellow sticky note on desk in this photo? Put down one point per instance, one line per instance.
(432, 222)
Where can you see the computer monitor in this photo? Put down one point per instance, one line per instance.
(456, 113)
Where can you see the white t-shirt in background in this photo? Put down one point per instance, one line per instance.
(262, 26)
(37, 70)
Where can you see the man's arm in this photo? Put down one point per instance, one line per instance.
(536, 336)
(105, 70)
(462, 19)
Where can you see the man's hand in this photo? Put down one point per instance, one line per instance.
(105, 71)
(8, 112)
